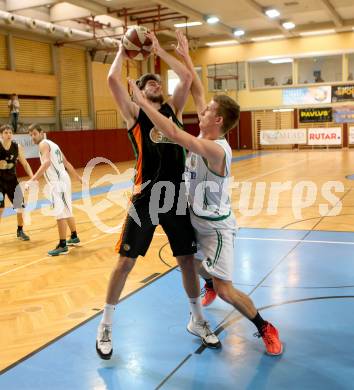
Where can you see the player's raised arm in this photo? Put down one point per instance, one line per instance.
(181, 92)
(206, 148)
(197, 88)
(128, 109)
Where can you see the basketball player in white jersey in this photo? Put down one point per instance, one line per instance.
(54, 167)
(208, 169)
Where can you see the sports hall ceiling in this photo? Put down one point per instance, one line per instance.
(108, 16)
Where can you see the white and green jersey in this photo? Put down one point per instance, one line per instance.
(208, 192)
(56, 171)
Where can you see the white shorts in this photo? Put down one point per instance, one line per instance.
(60, 196)
(215, 248)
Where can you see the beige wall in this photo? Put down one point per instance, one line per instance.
(47, 85)
(103, 99)
(102, 96)
(294, 46)
(265, 98)
(27, 83)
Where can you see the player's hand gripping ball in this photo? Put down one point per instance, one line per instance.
(136, 44)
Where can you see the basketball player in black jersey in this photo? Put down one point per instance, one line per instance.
(157, 159)
(10, 153)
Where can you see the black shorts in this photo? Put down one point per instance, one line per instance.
(11, 188)
(136, 237)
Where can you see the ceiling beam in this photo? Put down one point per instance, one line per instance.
(194, 15)
(260, 11)
(63, 12)
(338, 21)
(15, 5)
(93, 7)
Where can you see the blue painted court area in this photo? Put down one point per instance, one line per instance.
(301, 281)
(111, 187)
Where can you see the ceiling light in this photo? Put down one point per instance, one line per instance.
(212, 19)
(239, 32)
(272, 13)
(222, 43)
(283, 110)
(267, 38)
(289, 25)
(318, 32)
(188, 24)
(281, 61)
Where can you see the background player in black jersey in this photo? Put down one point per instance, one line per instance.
(158, 159)
(10, 152)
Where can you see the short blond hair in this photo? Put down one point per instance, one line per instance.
(229, 110)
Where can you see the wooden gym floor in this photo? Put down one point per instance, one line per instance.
(41, 297)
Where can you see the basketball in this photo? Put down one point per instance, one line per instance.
(136, 44)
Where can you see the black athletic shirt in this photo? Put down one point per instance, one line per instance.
(157, 158)
(11, 157)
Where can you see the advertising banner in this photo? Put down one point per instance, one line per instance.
(313, 115)
(31, 150)
(283, 137)
(342, 93)
(343, 114)
(326, 136)
(307, 95)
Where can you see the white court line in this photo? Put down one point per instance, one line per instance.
(97, 238)
(44, 258)
(50, 257)
(275, 170)
(293, 240)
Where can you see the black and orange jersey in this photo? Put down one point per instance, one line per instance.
(10, 156)
(157, 158)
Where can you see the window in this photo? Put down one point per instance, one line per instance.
(226, 77)
(266, 74)
(324, 69)
(173, 79)
(351, 67)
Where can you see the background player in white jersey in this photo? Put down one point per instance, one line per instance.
(207, 172)
(10, 153)
(53, 167)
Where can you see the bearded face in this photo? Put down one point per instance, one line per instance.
(155, 98)
(153, 91)
(36, 136)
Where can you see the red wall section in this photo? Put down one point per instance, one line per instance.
(345, 134)
(232, 136)
(191, 124)
(245, 129)
(242, 133)
(79, 147)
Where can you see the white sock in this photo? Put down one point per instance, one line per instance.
(108, 313)
(196, 309)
